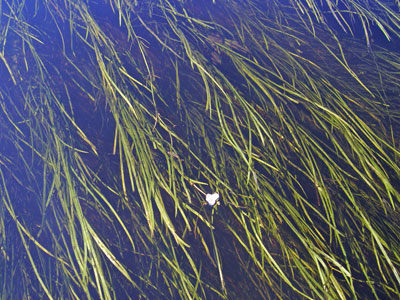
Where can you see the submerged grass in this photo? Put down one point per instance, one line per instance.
(113, 128)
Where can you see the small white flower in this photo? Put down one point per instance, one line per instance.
(212, 199)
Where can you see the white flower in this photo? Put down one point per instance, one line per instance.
(212, 199)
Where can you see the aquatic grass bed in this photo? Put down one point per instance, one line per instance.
(187, 150)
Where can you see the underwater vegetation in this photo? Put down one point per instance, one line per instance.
(199, 149)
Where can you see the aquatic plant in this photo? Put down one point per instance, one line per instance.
(117, 129)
